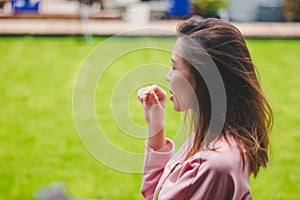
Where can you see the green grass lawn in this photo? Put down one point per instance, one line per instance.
(39, 142)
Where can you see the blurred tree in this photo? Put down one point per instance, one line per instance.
(2, 2)
(291, 10)
(208, 8)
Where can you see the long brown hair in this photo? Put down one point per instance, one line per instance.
(248, 115)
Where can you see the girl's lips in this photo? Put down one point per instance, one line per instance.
(172, 98)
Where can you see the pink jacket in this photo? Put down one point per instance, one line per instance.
(206, 175)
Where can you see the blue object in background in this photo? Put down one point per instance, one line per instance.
(179, 7)
(21, 6)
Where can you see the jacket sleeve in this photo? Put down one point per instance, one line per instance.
(198, 179)
(154, 165)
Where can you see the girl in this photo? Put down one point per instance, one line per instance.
(211, 164)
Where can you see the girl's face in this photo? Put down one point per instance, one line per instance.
(182, 84)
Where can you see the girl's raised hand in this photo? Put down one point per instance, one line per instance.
(153, 98)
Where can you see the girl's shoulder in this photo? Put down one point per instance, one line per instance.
(223, 156)
(209, 174)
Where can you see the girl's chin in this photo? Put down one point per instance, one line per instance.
(176, 107)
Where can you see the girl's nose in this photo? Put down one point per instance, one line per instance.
(168, 75)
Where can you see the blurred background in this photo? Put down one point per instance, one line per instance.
(43, 44)
(234, 10)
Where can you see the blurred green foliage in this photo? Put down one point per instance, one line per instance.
(209, 8)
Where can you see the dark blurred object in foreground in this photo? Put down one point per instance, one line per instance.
(51, 193)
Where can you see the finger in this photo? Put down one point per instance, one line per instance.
(141, 91)
(147, 90)
(154, 98)
(153, 87)
(160, 92)
(142, 97)
(144, 93)
(145, 100)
